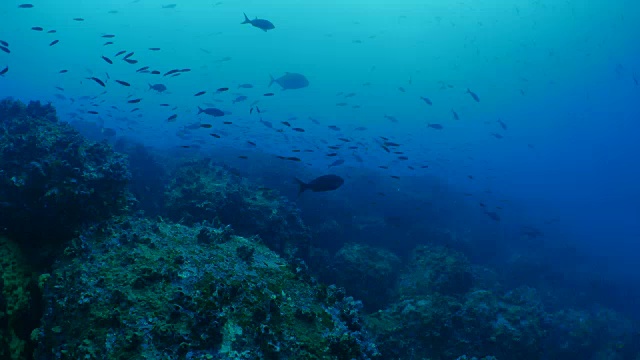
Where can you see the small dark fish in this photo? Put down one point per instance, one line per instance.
(268, 94)
(107, 60)
(227, 122)
(455, 114)
(108, 36)
(426, 100)
(286, 123)
(493, 215)
(332, 154)
(123, 83)
(92, 112)
(154, 49)
(251, 143)
(135, 109)
(263, 24)
(244, 157)
(54, 42)
(59, 88)
(206, 126)
(497, 136)
(63, 71)
(142, 69)
(293, 158)
(25, 6)
(165, 105)
(100, 82)
(4, 71)
(403, 158)
(241, 86)
(215, 136)
(78, 19)
(158, 87)
(108, 43)
(52, 32)
(129, 55)
(401, 89)
(120, 53)
(395, 177)
(435, 126)
(5, 49)
(4, 43)
(37, 28)
(473, 95)
(391, 118)
(174, 71)
(502, 124)
(131, 61)
(200, 93)
(211, 111)
(134, 101)
(334, 128)
(336, 163)
(222, 89)
(298, 129)
(172, 118)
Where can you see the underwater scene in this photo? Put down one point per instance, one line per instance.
(383, 179)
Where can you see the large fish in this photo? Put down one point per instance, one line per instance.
(321, 184)
(263, 24)
(291, 81)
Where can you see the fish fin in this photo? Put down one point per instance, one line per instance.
(272, 80)
(246, 19)
(303, 186)
(200, 111)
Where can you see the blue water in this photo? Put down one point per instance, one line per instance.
(563, 77)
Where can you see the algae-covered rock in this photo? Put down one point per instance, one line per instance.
(367, 273)
(52, 180)
(201, 191)
(145, 290)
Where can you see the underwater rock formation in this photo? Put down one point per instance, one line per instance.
(201, 191)
(139, 289)
(52, 180)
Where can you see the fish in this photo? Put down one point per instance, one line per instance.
(211, 111)
(222, 89)
(200, 93)
(108, 36)
(227, 122)
(120, 53)
(37, 28)
(4, 43)
(129, 55)
(244, 157)
(493, 215)
(502, 124)
(473, 95)
(241, 86)
(290, 81)
(142, 69)
(170, 72)
(336, 163)
(251, 143)
(107, 60)
(298, 129)
(4, 71)
(134, 101)
(154, 49)
(401, 89)
(123, 83)
(155, 72)
(25, 6)
(52, 31)
(435, 126)
(264, 25)
(172, 118)
(63, 71)
(403, 158)
(635, 78)
(108, 43)
(215, 136)
(130, 61)
(5, 49)
(206, 126)
(455, 114)
(268, 94)
(158, 87)
(497, 136)
(78, 19)
(426, 100)
(54, 42)
(92, 112)
(240, 98)
(98, 81)
(334, 128)
(321, 184)
(286, 123)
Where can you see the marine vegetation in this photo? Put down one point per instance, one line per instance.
(52, 176)
(201, 191)
(133, 288)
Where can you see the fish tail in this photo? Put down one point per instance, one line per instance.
(200, 111)
(303, 186)
(272, 80)
(246, 19)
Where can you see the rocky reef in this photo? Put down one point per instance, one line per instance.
(132, 287)
(53, 180)
(202, 191)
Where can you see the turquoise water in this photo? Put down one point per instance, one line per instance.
(559, 74)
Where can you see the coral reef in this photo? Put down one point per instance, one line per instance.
(51, 176)
(201, 191)
(139, 289)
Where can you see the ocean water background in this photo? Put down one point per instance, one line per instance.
(563, 76)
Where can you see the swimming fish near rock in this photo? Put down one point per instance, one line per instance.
(263, 24)
(158, 87)
(321, 184)
(290, 81)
